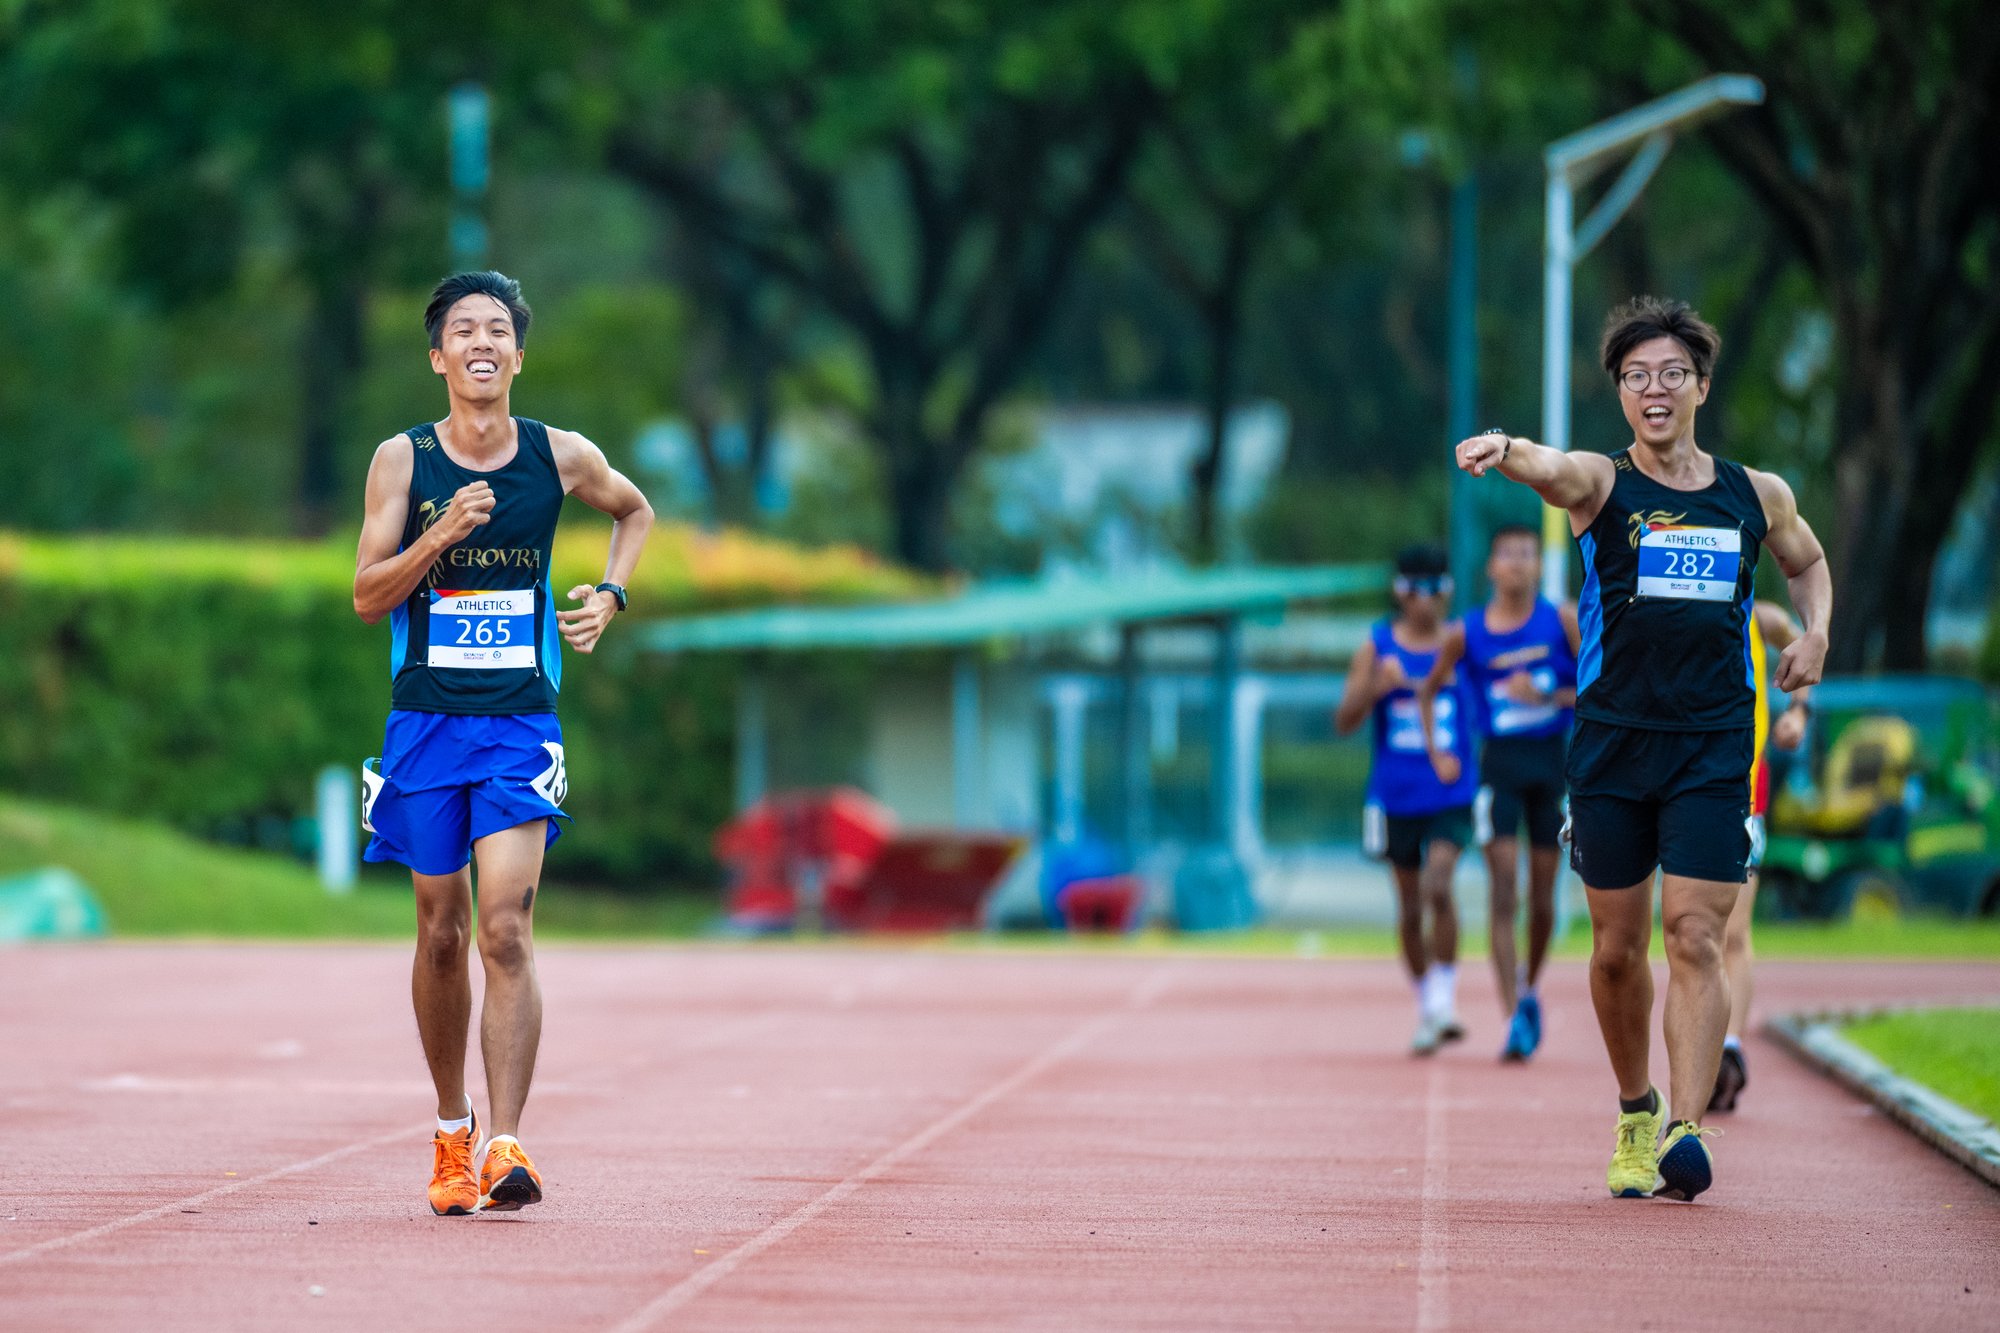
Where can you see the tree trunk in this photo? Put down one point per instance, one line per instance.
(760, 416)
(1223, 315)
(1224, 326)
(1872, 486)
(920, 495)
(920, 469)
(332, 350)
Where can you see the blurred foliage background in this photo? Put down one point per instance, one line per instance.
(897, 224)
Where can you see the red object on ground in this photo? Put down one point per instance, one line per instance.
(930, 882)
(832, 835)
(893, 1139)
(1108, 904)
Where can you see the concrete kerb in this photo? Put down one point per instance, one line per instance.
(1968, 1139)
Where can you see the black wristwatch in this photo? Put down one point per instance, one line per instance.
(1506, 448)
(615, 591)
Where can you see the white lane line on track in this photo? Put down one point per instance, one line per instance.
(119, 1224)
(723, 1035)
(694, 1284)
(1433, 1272)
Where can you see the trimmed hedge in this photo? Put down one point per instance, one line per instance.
(206, 683)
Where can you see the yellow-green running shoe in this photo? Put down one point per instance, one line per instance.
(1635, 1164)
(1686, 1166)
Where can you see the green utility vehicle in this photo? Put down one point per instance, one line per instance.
(1892, 802)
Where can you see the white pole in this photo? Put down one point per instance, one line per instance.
(966, 758)
(752, 738)
(337, 813)
(1556, 336)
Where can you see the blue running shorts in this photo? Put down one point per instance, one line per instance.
(446, 780)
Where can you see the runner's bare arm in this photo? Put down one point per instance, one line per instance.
(1780, 631)
(1357, 695)
(1450, 652)
(1791, 542)
(1575, 632)
(1775, 623)
(589, 476)
(1577, 482)
(384, 574)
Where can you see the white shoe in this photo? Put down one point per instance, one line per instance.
(1449, 1028)
(1429, 1033)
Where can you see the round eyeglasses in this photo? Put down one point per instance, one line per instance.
(1670, 379)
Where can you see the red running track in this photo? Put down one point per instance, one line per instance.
(236, 1137)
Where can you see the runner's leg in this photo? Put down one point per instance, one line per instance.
(1621, 981)
(1695, 913)
(510, 1025)
(1434, 880)
(1410, 920)
(1738, 956)
(1502, 859)
(1543, 862)
(441, 985)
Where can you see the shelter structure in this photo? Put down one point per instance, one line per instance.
(954, 734)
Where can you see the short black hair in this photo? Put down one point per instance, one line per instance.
(1422, 561)
(486, 282)
(1514, 530)
(1644, 318)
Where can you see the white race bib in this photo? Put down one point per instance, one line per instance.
(483, 631)
(1691, 564)
(1406, 727)
(1510, 715)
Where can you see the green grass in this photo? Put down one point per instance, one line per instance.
(1913, 937)
(1954, 1051)
(1905, 937)
(1902, 937)
(153, 881)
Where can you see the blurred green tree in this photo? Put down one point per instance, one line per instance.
(926, 175)
(212, 131)
(1874, 158)
(1269, 127)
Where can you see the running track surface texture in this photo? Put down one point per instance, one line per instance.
(207, 1137)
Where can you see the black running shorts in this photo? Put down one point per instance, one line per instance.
(1401, 839)
(1523, 779)
(1673, 800)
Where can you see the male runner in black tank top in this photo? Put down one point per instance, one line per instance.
(1659, 768)
(455, 548)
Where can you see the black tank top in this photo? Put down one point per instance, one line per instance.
(479, 633)
(1666, 603)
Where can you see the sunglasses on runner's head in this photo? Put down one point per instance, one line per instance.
(1423, 585)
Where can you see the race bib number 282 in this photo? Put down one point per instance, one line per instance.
(1692, 564)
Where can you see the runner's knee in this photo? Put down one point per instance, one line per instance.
(504, 940)
(441, 938)
(1695, 939)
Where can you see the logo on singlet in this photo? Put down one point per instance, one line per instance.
(1641, 523)
(428, 513)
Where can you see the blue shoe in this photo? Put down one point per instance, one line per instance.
(1521, 1035)
(1686, 1166)
(1531, 1009)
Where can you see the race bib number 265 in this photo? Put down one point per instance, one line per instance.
(483, 631)
(1693, 564)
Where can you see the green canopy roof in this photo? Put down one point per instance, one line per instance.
(1009, 610)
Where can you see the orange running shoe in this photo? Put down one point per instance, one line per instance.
(454, 1187)
(508, 1180)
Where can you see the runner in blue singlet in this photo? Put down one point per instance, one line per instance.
(455, 552)
(1518, 653)
(1416, 822)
